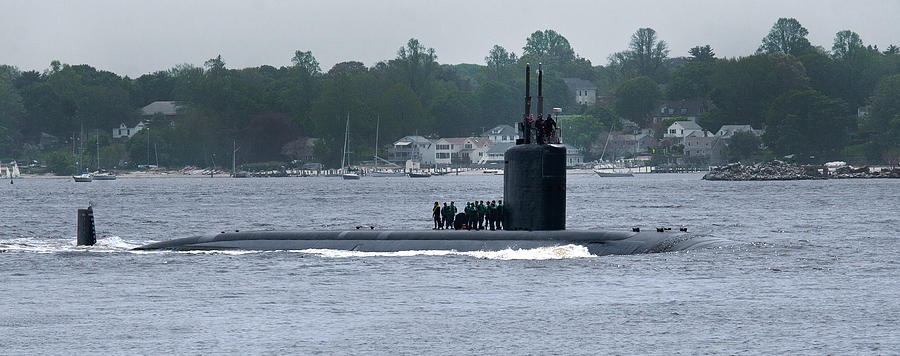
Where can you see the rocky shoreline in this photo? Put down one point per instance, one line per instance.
(780, 170)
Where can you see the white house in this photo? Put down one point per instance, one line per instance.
(585, 91)
(461, 150)
(495, 155)
(124, 132)
(412, 148)
(476, 148)
(682, 128)
(574, 157)
(447, 149)
(502, 134)
(726, 131)
(706, 148)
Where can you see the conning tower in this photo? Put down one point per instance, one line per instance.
(534, 175)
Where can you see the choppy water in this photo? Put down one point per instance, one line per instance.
(815, 271)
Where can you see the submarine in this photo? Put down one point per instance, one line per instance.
(534, 188)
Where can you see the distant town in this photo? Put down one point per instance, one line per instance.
(644, 107)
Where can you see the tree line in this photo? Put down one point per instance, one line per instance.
(805, 95)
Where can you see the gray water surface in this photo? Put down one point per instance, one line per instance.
(814, 270)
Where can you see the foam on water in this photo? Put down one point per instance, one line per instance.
(540, 253)
(36, 245)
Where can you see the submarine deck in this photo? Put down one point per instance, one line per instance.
(597, 242)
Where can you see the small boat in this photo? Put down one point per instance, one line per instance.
(614, 172)
(84, 177)
(240, 174)
(419, 174)
(350, 176)
(104, 176)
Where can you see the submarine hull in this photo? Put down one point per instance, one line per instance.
(597, 242)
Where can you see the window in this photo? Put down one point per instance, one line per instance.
(443, 147)
(443, 155)
(672, 131)
(468, 145)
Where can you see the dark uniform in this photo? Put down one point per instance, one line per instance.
(482, 211)
(500, 215)
(492, 215)
(436, 214)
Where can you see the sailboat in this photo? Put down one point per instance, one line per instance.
(609, 169)
(15, 171)
(101, 175)
(234, 172)
(375, 159)
(84, 177)
(345, 174)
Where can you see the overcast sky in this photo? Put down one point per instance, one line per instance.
(136, 37)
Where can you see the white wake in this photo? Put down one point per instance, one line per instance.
(540, 253)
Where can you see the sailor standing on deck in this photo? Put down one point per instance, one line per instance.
(451, 215)
(470, 216)
(550, 130)
(539, 130)
(436, 214)
(445, 212)
(500, 215)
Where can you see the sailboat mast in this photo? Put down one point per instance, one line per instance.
(98, 150)
(375, 158)
(346, 134)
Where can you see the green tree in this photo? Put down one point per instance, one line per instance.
(883, 125)
(498, 59)
(306, 62)
(892, 50)
(456, 113)
(786, 36)
(60, 163)
(416, 64)
(846, 44)
(12, 111)
(648, 52)
(807, 123)
(645, 56)
(547, 47)
(581, 130)
(702, 54)
(636, 99)
(348, 68)
(743, 146)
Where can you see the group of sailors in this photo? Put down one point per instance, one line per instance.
(541, 130)
(478, 215)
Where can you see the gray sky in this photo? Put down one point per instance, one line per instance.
(131, 37)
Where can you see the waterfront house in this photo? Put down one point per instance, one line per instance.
(502, 134)
(681, 129)
(495, 155)
(416, 148)
(702, 147)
